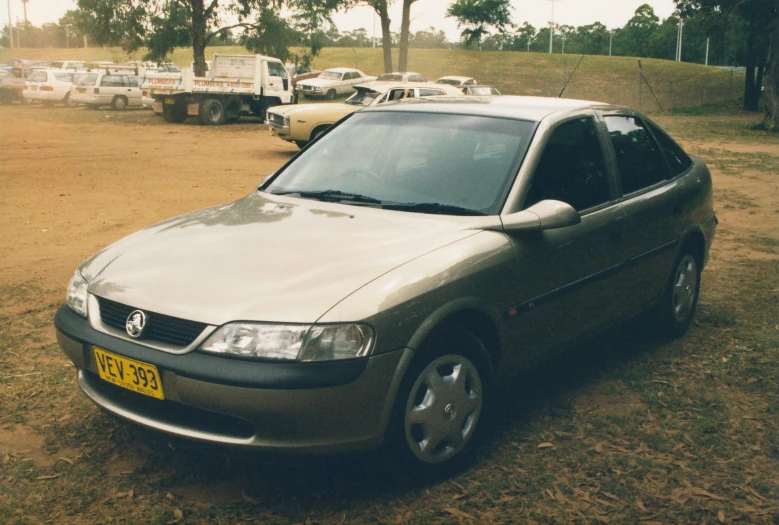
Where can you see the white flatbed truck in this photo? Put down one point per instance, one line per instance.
(236, 85)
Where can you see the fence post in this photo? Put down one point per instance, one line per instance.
(500, 61)
(640, 81)
(673, 94)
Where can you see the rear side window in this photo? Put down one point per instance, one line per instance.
(112, 81)
(571, 168)
(37, 76)
(677, 159)
(131, 81)
(430, 92)
(64, 77)
(640, 161)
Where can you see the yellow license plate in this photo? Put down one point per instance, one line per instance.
(128, 373)
(170, 100)
(81, 90)
(34, 88)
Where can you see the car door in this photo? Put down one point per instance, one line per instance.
(652, 208)
(110, 86)
(562, 286)
(133, 91)
(278, 80)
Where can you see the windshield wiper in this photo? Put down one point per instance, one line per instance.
(432, 207)
(332, 196)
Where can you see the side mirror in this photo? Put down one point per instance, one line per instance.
(545, 215)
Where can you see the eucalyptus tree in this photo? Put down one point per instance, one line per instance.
(478, 16)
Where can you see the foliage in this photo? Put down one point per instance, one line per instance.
(479, 16)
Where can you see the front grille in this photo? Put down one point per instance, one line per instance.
(275, 120)
(172, 412)
(308, 88)
(162, 328)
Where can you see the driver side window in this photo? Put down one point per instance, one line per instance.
(571, 168)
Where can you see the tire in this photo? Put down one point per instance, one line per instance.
(330, 94)
(174, 113)
(301, 143)
(119, 103)
(674, 314)
(66, 101)
(441, 409)
(212, 112)
(318, 132)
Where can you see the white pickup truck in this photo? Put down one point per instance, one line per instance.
(236, 85)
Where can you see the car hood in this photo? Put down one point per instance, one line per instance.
(263, 258)
(321, 82)
(315, 109)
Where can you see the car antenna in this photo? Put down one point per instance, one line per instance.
(569, 78)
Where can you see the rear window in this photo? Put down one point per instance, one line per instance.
(391, 78)
(64, 77)
(37, 76)
(112, 81)
(450, 81)
(85, 79)
(131, 81)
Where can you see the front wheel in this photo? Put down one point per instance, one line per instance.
(439, 414)
(330, 94)
(677, 308)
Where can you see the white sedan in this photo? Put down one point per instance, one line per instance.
(49, 86)
(332, 82)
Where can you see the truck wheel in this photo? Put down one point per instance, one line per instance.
(330, 94)
(212, 112)
(119, 103)
(174, 113)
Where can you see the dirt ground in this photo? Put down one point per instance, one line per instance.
(75, 180)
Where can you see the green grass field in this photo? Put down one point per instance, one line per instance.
(607, 79)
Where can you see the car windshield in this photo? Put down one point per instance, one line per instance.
(483, 91)
(387, 77)
(330, 75)
(363, 97)
(450, 81)
(85, 79)
(408, 161)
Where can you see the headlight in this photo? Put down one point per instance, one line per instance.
(286, 122)
(316, 88)
(76, 296)
(290, 342)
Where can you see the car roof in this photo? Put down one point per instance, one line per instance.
(384, 86)
(522, 108)
(342, 69)
(455, 77)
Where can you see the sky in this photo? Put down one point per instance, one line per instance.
(424, 13)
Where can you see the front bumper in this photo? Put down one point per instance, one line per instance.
(306, 407)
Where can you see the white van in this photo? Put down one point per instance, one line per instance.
(116, 89)
(48, 86)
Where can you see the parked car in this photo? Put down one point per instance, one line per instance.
(48, 86)
(303, 123)
(107, 88)
(332, 82)
(457, 81)
(407, 76)
(67, 64)
(11, 88)
(300, 72)
(480, 90)
(375, 300)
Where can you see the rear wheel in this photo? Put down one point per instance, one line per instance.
(677, 308)
(212, 112)
(119, 103)
(174, 113)
(330, 94)
(439, 414)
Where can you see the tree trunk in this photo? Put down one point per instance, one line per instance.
(771, 120)
(405, 23)
(199, 37)
(751, 90)
(386, 35)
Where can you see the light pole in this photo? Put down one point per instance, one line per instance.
(562, 52)
(611, 37)
(707, 51)
(551, 27)
(679, 34)
(10, 27)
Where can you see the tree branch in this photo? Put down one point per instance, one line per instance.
(210, 9)
(211, 35)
